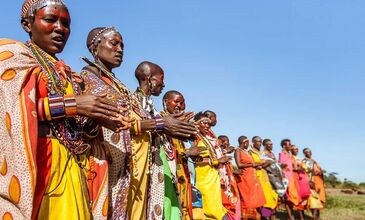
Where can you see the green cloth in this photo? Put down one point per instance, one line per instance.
(171, 203)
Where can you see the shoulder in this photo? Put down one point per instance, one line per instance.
(15, 59)
(11, 48)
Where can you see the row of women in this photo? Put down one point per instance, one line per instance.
(82, 146)
(264, 183)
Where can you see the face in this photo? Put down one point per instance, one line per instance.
(225, 142)
(269, 145)
(257, 143)
(110, 50)
(287, 146)
(213, 119)
(50, 28)
(245, 144)
(157, 81)
(308, 153)
(204, 127)
(294, 151)
(175, 104)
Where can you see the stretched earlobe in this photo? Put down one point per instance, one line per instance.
(26, 25)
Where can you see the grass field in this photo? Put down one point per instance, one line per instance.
(338, 207)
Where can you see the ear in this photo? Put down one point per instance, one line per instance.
(26, 25)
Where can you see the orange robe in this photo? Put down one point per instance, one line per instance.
(251, 193)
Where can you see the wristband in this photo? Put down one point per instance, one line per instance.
(70, 105)
(46, 109)
(159, 123)
(139, 129)
(56, 106)
(214, 162)
(40, 110)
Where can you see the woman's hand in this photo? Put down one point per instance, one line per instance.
(96, 106)
(175, 127)
(105, 112)
(125, 122)
(224, 159)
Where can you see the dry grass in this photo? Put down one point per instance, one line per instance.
(338, 207)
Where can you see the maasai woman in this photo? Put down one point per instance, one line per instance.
(274, 171)
(230, 194)
(175, 160)
(271, 197)
(302, 179)
(43, 164)
(292, 197)
(207, 176)
(251, 193)
(128, 191)
(315, 173)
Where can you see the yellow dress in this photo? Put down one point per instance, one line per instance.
(208, 183)
(271, 196)
(137, 196)
(66, 196)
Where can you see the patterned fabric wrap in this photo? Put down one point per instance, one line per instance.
(18, 132)
(119, 147)
(156, 186)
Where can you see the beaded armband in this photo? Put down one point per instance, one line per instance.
(46, 109)
(137, 128)
(56, 106)
(214, 162)
(40, 110)
(70, 105)
(159, 123)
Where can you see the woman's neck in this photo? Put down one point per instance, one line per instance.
(101, 64)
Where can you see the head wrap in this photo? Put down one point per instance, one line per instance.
(31, 6)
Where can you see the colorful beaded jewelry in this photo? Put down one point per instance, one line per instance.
(70, 105)
(56, 106)
(159, 123)
(40, 110)
(47, 112)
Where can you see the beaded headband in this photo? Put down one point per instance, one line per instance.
(30, 6)
(97, 38)
(204, 119)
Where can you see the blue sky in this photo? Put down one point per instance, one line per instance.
(277, 69)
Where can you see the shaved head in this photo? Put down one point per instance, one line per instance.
(147, 69)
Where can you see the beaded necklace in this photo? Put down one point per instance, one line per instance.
(68, 130)
(131, 103)
(213, 155)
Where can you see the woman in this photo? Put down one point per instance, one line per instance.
(292, 197)
(106, 46)
(271, 197)
(44, 163)
(251, 193)
(301, 177)
(207, 176)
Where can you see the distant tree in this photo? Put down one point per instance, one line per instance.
(331, 179)
(348, 184)
(362, 185)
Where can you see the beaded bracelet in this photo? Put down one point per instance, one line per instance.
(214, 162)
(135, 128)
(159, 123)
(139, 128)
(40, 110)
(70, 105)
(46, 109)
(56, 106)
